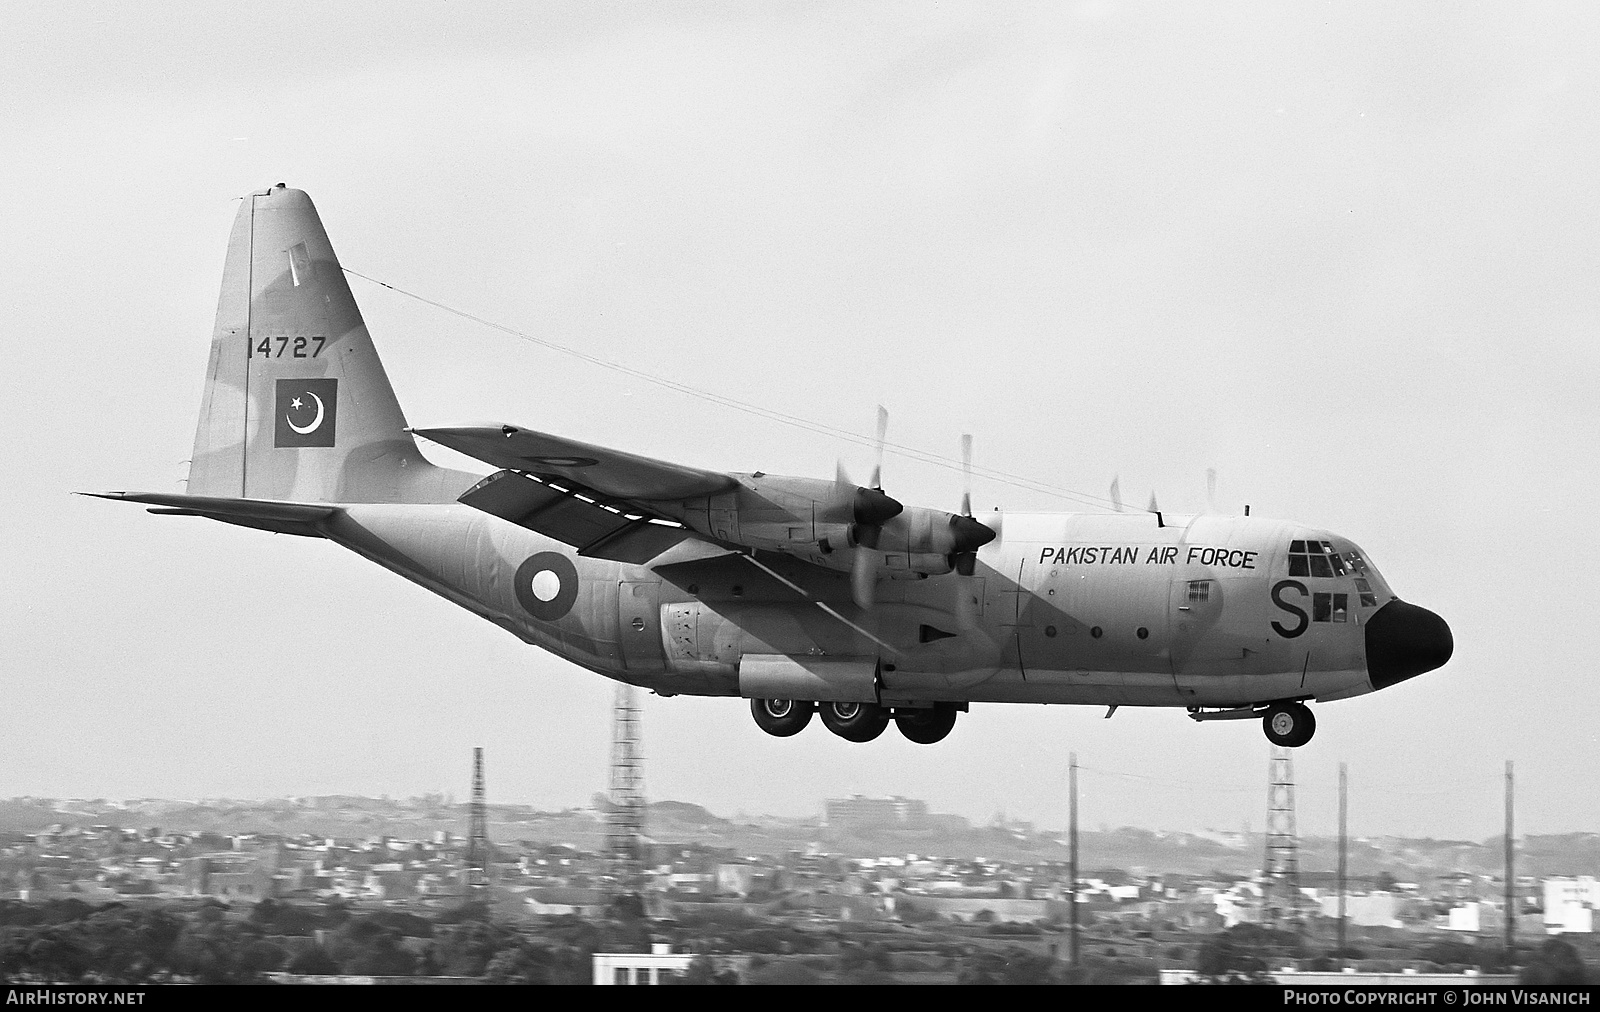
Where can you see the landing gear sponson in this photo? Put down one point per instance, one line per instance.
(858, 722)
(1288, 722)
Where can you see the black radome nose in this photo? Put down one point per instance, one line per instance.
(1403, 641)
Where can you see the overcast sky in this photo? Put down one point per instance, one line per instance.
(1345, 254)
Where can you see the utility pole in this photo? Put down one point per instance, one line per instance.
(1072, 860)
(1511, 873)
(478, 834)
(1344, 838)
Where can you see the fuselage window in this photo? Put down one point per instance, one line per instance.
(1368, 598)
(1341, 606)
(1199, 591)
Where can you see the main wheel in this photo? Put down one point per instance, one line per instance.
(1289, 725)
(927, 726)
(782, 717)
(854, 721)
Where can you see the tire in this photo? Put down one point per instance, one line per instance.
(1289, 725)
(782, 717)
(925, 727)
(854, 721)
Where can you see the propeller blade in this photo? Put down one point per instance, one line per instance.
(1211, 489)
(966, 475)
(840, 477)
(1116, 494)
(1153, 508)
(864, 577)
(883, 431)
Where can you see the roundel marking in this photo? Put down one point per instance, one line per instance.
(563, 461)
(547, 585)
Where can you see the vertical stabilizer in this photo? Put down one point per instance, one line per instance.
(297, 405)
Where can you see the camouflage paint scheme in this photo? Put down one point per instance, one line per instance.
(740, 584)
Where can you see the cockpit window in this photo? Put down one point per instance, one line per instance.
(1357, 563)
(1368, 598)
(1330, 607)
(1314, 558)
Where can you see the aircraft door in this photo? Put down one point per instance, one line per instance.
(639, 625)
(1217, 647)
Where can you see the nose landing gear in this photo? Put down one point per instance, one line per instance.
(1289, 725)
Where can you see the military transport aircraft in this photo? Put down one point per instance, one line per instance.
(805, 596)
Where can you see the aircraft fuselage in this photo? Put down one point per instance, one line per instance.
(1115, 609)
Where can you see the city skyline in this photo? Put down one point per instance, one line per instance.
(1338, 256)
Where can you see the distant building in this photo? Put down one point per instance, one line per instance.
(735, 879)
(859, 812)
(1570, 904)
(658, 966)
(232, 875)
(557, 901)
(1368, 910)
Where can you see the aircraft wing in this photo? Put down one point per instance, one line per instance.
(611, 473)
(597, 530)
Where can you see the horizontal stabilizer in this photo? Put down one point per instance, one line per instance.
(609, 472)
(304, 519)
(596, 531)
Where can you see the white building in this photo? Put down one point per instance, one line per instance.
(657, 966)
(1570, 904)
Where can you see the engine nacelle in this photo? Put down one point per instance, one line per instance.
(826, 522)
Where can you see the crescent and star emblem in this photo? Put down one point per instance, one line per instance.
(316, 423)
(306, 412)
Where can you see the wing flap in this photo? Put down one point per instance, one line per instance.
(609, 472)
(597, 531)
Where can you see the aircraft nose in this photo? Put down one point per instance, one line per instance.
(1403, 641)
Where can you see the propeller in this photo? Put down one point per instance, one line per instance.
(967, 536)
(1116, 493)
(1211, 489)
(870, 509)
(883, 430)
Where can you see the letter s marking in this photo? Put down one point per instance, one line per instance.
(1277, 599)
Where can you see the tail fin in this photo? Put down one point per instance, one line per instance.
(297, 405)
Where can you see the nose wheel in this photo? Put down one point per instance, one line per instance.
(1289, 725)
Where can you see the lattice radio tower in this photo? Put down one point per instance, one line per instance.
(625, 827)
(1281, 899)
(478, 834)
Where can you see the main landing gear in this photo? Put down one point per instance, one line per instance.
(858, 722)
(782, 717)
